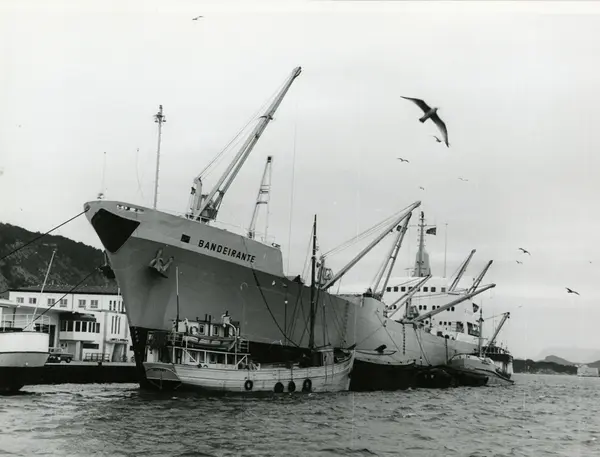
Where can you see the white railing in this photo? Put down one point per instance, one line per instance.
(194, 358)
(24, 322)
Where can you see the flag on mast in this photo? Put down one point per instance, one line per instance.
(431, 231)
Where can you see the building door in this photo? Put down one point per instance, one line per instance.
(52, 335)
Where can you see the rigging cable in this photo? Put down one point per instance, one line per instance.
(43, 235)
(95, 270)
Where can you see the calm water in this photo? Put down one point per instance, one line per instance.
(540, 415)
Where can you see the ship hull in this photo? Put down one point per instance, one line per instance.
(221, 271)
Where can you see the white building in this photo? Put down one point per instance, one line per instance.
(89, 323)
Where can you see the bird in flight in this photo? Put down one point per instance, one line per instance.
(431, 113)
(570, 291)
(402, 160)
(519, 262)
(525, 251)
(463, 179)
(196, 18)
(436, 139)
(421, 187)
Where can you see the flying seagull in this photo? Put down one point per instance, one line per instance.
(525, 251)
(430, 113)
(569, 291)
(422, 188)
(196, 18)
(402, 160)
(520, 263)
(463, 179)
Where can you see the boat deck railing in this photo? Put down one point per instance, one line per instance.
(206, 357)
(21, 322)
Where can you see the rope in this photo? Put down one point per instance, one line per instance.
(42, 235)
(292, 192)
(265, 299)
(367, 232)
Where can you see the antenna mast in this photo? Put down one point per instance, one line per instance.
(262, 199)
(160, 119)
(445, 247)
(311, 338)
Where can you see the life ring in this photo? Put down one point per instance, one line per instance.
(193, 330)
(307, 385)
(278, 388)
(248, 384)
(291, 386)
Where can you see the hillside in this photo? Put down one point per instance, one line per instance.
(27, 267)
(559, 360)
(542, 367)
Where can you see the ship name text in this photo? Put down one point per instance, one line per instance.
(219, 248)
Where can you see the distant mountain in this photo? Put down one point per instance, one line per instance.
(542, 367)
(27, 267)
(574, 355)
(560, 361)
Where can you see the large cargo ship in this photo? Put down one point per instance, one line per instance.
(222, 272)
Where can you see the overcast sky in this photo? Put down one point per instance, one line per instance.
(516, 83)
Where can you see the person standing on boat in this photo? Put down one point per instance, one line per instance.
(226, 318)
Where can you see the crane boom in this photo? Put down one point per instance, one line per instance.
(461, 299)
(405, 297)
(262, 199)
(505, 316)
(391, 260)
(371, 245)
(461, 272)
(206, 207)
(480, 277)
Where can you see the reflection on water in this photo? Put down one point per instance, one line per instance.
(540, 415)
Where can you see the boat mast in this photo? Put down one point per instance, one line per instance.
(177, 292)
(311, 338)
(44, 284)
(480, 344)
(206, 206)
(421, 245)
(262, 199)
(159, 118)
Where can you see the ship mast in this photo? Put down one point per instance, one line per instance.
(311, 338)
(480, 343)
(262, 199)
(160, 119)
(206, 206)
(421, 245)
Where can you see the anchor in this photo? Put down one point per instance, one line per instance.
(159, 265)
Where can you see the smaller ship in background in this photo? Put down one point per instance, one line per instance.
(585, 371)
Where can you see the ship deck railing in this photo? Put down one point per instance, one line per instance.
(24, 322)
(202, 358)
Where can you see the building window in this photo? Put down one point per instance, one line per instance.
(443, 289)
(78, 326)
(432, 288)
(388, 289)
(410, 288)
(20, 300)
(51, 302)
(440, 322)
(425, 289)
(425, 307)
(93, 303)
(63, 326)
(63, 302)
(452, 308)
(84, 326)
(82, 303)
(32, 300)
(395, 288)
(185, 238)
(91, 346)
(97, 327)
(215, 330)
(420, 307)
(403, 288)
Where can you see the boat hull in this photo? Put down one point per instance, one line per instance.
(19, 353)
(333, 378)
